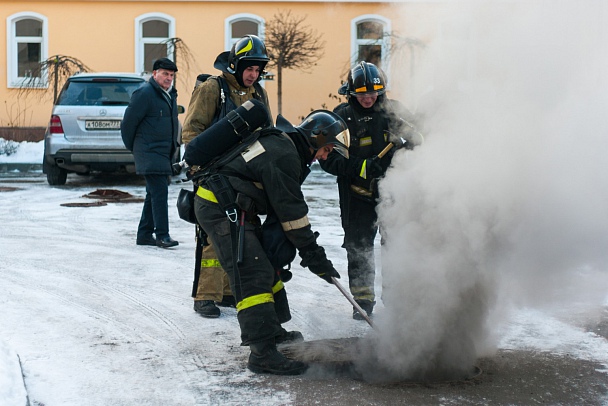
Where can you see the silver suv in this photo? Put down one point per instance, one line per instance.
(83, 134)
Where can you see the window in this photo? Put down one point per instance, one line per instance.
(239, 25)
(26, 47)
(152, 34)
(370, 36)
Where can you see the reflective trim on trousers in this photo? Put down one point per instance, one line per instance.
(210, 263)
(363, 293)
(254, 300)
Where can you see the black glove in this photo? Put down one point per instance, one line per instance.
(365, 168)
(314, 258)
(373, 169)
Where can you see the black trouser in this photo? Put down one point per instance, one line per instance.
(359, 235)
(261, 298)
(155, 213)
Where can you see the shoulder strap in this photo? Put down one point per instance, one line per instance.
(224, 90)
(225, 104)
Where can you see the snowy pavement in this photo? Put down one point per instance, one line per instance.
(94, 316)
(97, 319)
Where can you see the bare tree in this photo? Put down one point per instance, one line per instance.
(57, 68)
(291, 45)
(400, 47)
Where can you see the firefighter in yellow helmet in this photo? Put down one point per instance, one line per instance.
(373, 121)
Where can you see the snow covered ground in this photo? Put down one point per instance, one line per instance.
(97, 320)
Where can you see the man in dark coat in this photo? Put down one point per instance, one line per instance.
(150, 129)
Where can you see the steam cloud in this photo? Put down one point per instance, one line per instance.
(506, 202)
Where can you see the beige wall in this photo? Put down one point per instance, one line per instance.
(101, 34)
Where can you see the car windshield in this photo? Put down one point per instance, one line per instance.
(97, 93)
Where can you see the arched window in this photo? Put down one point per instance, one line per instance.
(152, 34)
(370, 40)
(239, 25)
(27, 45)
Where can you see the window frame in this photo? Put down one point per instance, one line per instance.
(356, 42)
(12, 67)
(228, 40)
(140, 41)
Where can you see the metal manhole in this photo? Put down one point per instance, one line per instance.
(339, 357)
(88, 204)
(113, 195)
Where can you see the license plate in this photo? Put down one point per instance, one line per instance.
(102, 124)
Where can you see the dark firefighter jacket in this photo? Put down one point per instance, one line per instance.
(368, 137)
(150, 129)
(271, 173)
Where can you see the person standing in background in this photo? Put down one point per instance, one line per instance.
(150, 129)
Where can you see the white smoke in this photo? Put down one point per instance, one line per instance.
(506, 202)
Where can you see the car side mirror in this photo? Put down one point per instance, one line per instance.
(181, 109)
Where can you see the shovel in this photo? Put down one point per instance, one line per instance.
(352, 301)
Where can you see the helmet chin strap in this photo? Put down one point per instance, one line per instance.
(238, 75)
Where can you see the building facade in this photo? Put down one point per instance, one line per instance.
(127, 36)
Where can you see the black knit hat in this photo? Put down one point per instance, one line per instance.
(164, 63)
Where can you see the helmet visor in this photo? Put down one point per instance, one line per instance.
(341, 142)
(342, 150)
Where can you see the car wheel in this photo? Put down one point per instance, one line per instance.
(55, 175)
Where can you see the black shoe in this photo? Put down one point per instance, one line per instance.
(265, 358)
(207, 308)
(289, 337)
(227, 301)
(367, 306)
(147, 241)
(166, 242)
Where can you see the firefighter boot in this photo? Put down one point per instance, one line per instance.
(288, 337)
(227, 301)
(207, 308)
(265, 358)
(367, 306)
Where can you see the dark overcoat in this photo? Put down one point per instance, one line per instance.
(150, 129)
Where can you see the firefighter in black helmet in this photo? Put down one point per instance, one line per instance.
(373, 121)
(242, 67)
(247, 51)
(266, 178)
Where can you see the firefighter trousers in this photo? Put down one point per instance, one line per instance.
(213, 282)
(260, 294)
(359, 235)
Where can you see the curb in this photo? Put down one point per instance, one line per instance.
(20, 167)
(11, 372)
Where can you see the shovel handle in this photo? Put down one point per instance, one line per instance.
(352, 301)
(386, 149)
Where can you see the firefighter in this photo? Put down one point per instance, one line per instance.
(211, 100)
(266, 178)
(371, 119)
